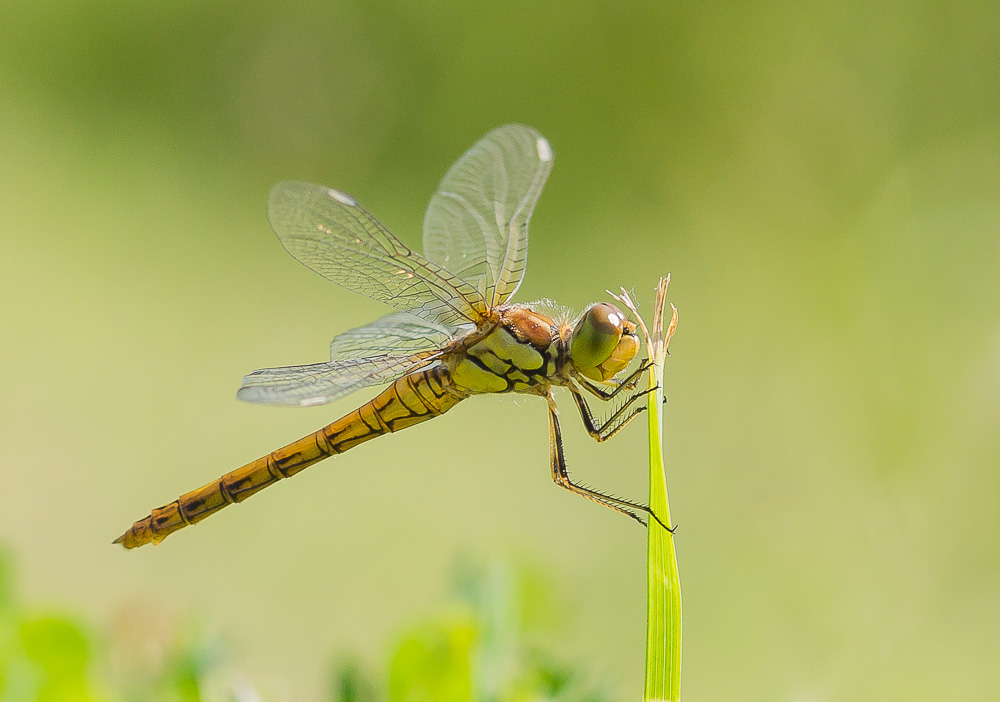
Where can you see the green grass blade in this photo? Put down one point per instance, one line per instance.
(663, 587)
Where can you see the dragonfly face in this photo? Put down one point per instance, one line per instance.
(454, 333)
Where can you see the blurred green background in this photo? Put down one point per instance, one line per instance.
(823, 183)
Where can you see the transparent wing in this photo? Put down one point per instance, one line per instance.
(400, 333)
(332, 234)
(374, 354)
(476, 225)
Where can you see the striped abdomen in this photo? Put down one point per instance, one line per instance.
(412, 399)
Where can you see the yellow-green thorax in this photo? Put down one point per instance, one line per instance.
(519, 354)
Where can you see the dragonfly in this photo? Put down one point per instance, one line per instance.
(454, 331)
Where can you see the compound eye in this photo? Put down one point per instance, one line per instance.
(596, 336)
(607, 319)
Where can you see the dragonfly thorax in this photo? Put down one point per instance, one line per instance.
(518, 354)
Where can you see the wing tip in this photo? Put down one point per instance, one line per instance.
(341, 197)
(544, 149)
(260, 396)
(313, 401)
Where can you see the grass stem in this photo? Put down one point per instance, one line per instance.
(663, 588)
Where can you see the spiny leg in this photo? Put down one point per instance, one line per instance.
(613, 424)
(560, 476)
(629, 383)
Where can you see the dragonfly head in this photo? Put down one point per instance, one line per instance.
(603, 342)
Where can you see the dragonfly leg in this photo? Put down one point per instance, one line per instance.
(628, 383)
(616, 422)
(560, 476)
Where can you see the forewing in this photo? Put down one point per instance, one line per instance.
(374, 354)
(332, 234)
(476, 225)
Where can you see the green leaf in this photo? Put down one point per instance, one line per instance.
(59, 654)
(434, 663)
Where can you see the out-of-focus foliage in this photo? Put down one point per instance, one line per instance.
(53, 657)
(482, 649)
(43, 657)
